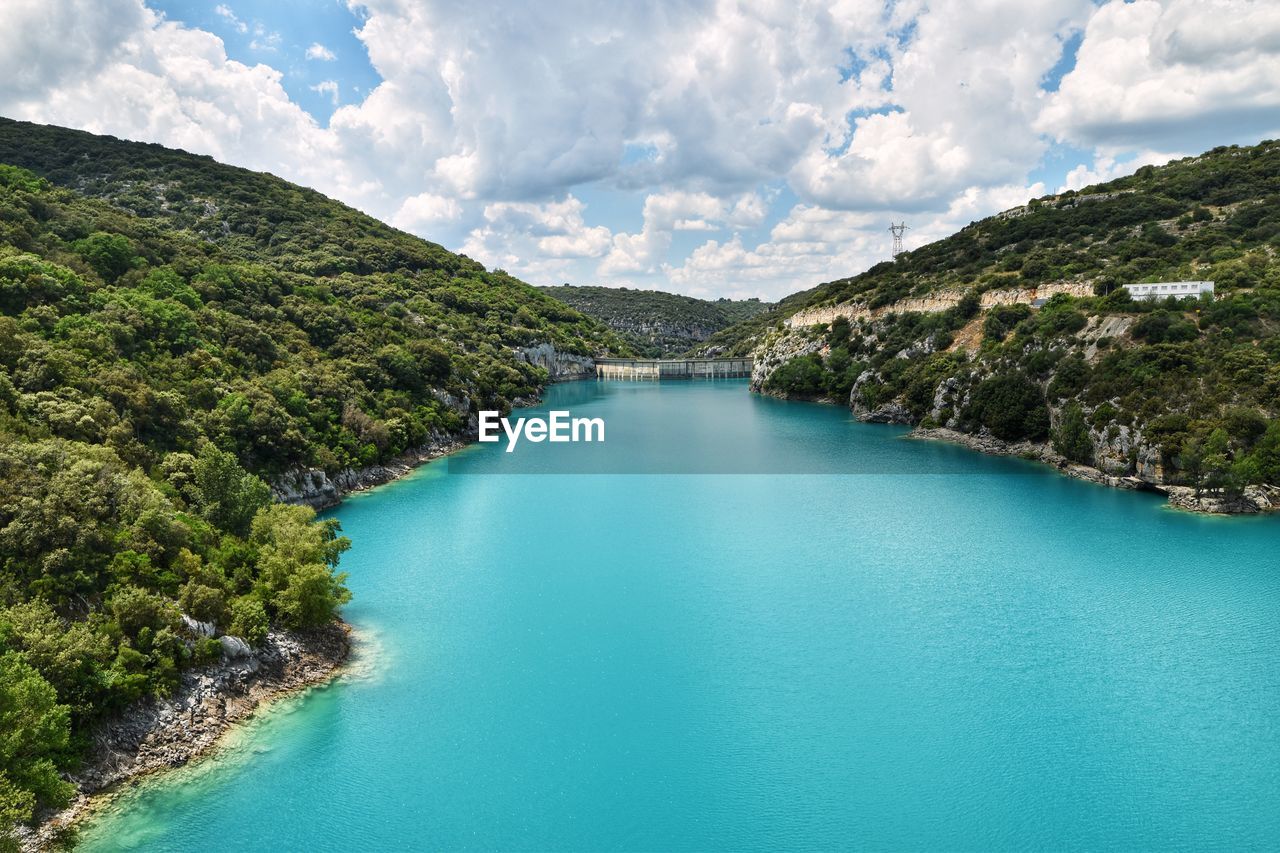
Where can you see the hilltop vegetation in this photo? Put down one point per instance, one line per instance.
(174, 333)
(744, 336)
(657, 324)
(1170, 392)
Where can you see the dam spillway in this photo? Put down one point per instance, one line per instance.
(656, 369)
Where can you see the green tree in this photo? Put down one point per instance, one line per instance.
(110, 255)
(1071, 438)
(69, 655)
(1011, 406)
(229, 495)
(803, 376)
(34, 736)
(296, 559)
(249, 620)
(1216, 460)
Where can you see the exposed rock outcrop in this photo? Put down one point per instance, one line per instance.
(1123, 454)
(934, 302)
(1038, 451)
(777, 352)
(315, 488)
(560, 366)
(891, 412)
(162, 733)
(1252, 499)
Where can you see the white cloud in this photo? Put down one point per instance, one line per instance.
(1106, 167)
(814, 244)
(538, 240)
(320, 52)
(224, 11)
(425, 209)
(490, 116)
(328, 88)
(957, 114)
(45, 47)
(1182, 75)
(156, 80)
(665, 213)
(264, 39)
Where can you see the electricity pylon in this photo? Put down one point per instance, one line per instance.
(897, 237)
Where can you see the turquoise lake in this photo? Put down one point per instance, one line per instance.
(930, 649)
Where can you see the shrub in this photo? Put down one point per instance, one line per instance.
(1002, 319)
(1071, 438)
(1161, 327)
(803, 376)
(1011, 406)
(110, 255)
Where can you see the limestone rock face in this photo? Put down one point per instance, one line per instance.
(198, 628)
(777, 352)
(560, 366)
(934, 302)
(1252, 499)
(891, 412)
(949, 399)
(234, 648)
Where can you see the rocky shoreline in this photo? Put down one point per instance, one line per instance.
(167, 732)
(318, 490)
(1254, 499)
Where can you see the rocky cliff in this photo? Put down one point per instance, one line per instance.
(560, 366)
(942, 300)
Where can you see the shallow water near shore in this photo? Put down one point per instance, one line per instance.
(955, 652)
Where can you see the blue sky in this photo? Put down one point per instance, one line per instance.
(749, 148)
(279, 33)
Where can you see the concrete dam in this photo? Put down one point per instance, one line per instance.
(655, 369)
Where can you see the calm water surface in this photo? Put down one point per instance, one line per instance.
(991, 657)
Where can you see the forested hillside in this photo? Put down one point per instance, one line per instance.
(655, 323)
(173, 334)
(1018, 327)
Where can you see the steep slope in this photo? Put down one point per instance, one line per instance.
(1017, 332)
(655, 323)
(175, 334)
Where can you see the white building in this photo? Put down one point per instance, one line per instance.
(1165, 289)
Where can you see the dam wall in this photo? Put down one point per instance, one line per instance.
(659, 369)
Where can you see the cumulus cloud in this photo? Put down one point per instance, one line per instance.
(813, 244)
(540, 240)
(1177, 76)
(668, 212)
(965, 89)
(139, 76)
(45, 47)
(703, 115)
(425, 209)
(320, 52)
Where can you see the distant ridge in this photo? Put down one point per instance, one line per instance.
(655, 323)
